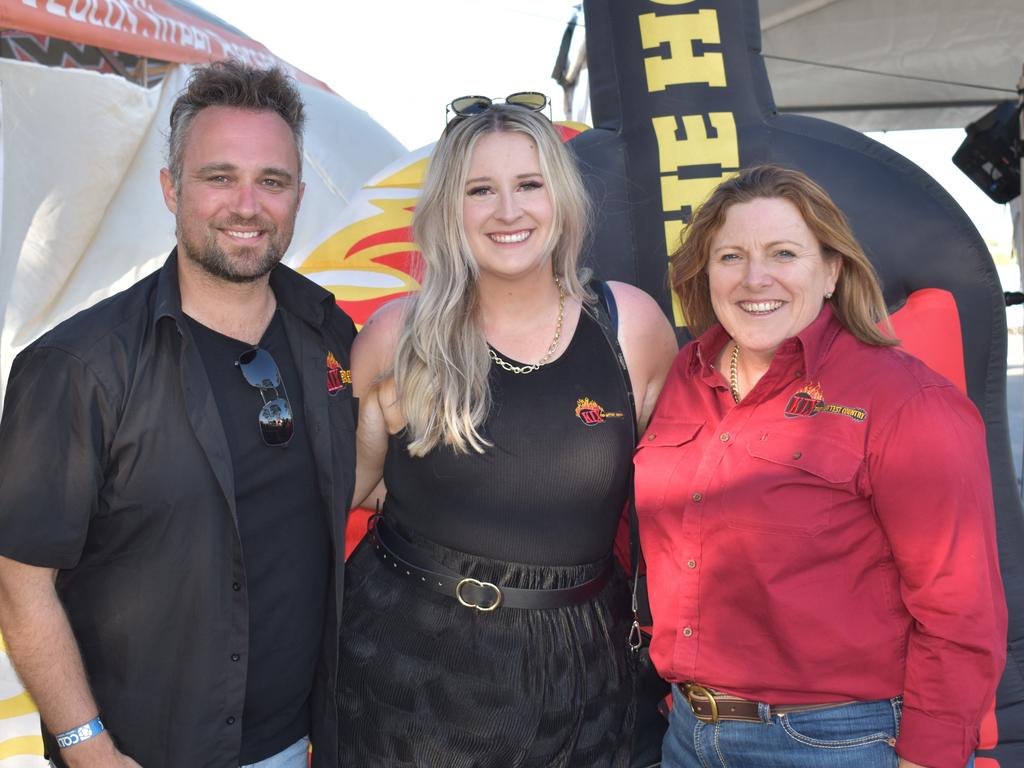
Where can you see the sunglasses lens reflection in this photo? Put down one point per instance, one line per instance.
(276, 422)
(259, 369)
(529, 99)
(470, 105)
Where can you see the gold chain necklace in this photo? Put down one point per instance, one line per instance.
(506, 365)
(734, 384)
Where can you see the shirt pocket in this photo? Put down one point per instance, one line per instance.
(789, 484)
(658, 457)
(342, 410)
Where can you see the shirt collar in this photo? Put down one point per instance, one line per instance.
(816, 340)
(298, 295)
(168, 291)
(809, 346)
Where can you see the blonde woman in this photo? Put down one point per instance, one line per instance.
(485, 623)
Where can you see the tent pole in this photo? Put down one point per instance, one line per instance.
(1018, 240)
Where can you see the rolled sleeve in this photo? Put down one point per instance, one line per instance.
(932, 492)
(52, 457)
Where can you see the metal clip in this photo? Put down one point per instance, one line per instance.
(635, 639)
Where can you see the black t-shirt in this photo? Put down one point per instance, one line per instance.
(285, 544)
(551, 489)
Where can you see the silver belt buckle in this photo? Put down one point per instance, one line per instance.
(482, 584)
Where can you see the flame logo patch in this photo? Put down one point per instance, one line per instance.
(337, 377)
(809, 400)
(590, 412)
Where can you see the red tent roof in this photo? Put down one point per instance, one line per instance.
(170, 30)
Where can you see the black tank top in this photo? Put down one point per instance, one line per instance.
(551, 488)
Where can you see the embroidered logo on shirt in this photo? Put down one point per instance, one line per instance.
(809, 400)
(590, 413)
(337, 377)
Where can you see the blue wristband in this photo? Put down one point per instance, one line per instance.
(82, 733)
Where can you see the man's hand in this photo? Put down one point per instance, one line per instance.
(904, 763)
(97, 752)
(45, 656)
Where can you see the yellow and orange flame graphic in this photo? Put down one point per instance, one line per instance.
(813, 391)
(372, 259)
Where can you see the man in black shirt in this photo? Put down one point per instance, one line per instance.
(175, 467)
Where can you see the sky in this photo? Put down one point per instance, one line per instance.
(402, 61)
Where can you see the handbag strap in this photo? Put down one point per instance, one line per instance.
(606, 314)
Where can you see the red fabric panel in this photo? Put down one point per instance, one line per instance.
(929, 327)
(355, 528)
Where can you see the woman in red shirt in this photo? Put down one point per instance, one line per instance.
(815, 508)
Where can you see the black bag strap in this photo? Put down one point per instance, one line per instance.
(606, 314)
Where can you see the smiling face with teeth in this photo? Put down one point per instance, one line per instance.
(506, 211)
(238, 195)
(767, 275)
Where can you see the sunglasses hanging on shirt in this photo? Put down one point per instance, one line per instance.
(275, 417)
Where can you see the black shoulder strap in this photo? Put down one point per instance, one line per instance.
(606, 314)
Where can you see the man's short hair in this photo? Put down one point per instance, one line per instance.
(232, 84)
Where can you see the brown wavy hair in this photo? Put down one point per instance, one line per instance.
(231, 83)
(857, 300)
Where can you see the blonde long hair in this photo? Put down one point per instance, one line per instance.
(441, 359)
(857, 300)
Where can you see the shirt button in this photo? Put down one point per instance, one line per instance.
(697, 497)
(236, 586)
(797, 455)
(687, 632)
(691, 563)
(799, 374)
(724, 437)
(230, 720)
(651, 436)
(235, 657)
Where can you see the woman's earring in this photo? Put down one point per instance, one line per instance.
(828, 295)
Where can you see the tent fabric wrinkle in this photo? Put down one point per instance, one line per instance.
(69, 139)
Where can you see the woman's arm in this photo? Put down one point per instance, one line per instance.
(373, 353)
(648, 343)
(931, 490)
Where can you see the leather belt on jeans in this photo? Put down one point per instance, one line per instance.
(710, 706)
(412, 562)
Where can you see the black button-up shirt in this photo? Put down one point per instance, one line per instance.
(115, 469)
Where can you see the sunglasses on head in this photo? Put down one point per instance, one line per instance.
(470, 106)
(260, 370)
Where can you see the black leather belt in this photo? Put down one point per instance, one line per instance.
(412, 562)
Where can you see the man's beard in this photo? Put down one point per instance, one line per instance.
(246, 266)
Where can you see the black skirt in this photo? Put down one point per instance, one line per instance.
(427, 682)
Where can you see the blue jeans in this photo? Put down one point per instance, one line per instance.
(295, 756)
(857, 735)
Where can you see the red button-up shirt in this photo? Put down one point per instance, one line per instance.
(831, 538)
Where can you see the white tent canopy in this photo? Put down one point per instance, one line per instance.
(893, 64)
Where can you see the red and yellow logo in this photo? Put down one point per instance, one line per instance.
(809, 400)
(337, 377)
(590, 413)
